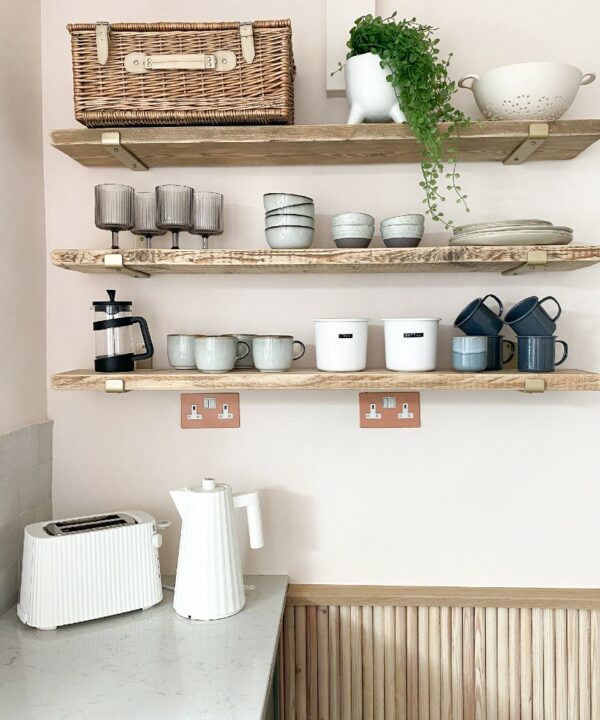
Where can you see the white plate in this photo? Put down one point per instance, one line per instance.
(550, 236)
(480, 227)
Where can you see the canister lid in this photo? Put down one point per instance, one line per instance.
(112, 306)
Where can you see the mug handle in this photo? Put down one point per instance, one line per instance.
(588, 78)
(565, 353)
(298, 342)
(500, 305)
(511, 355)
(549, 297)
(245, 344)
(462, 83)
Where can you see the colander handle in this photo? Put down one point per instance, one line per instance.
(462, 83)
(588, 78)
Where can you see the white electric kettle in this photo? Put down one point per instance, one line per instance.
(209, 583)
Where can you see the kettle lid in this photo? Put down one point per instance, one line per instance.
(207, 485)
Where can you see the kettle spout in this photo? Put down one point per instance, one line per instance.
(180, 498)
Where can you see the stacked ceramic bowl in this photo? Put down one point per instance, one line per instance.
(352, 229)
(402, 231)
(289, 221)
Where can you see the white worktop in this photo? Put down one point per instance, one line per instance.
(145, 665)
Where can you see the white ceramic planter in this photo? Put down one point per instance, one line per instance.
(411, 344)
(370, 96)
(341, 345)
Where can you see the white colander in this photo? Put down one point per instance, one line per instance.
(526, 91)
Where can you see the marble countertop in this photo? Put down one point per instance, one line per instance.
(145, 665)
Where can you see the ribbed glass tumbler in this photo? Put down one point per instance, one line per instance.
(208, 215)
(114, 209)
(145, 216)
(174, 210)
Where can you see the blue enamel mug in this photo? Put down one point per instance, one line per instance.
(478, 319)
(528, 317)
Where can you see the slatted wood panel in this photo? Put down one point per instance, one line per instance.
(396, 662)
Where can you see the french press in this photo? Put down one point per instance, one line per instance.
(112, 327)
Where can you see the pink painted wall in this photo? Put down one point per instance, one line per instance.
(495, 489)
(23, 267)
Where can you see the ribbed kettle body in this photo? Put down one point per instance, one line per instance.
(209, 583)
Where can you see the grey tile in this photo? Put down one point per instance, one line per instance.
(27, 441)
(27, 487)
(9, 585)
(9, 500)
(44, 481)
(45, 433)
(9, 460)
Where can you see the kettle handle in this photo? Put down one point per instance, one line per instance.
(146, 337)
(251, 502)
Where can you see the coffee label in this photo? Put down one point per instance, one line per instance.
(344, 336)
(411, 335)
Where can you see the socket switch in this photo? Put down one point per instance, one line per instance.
(210, 410)
(389, 410)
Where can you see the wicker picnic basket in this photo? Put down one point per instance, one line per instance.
(225, 73)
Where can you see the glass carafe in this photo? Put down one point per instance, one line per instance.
(112, 329)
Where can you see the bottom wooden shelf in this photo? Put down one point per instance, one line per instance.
(189, 380)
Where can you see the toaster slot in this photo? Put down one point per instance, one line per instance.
(89, 524)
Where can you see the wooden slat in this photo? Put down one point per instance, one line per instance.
(573, 663)
(301, 664)
(526, 666)
(446, 259)
(345, 663)
(289, 668)
(549, 667)
(443, 596)
(367, 671)
(378, 664)
(323, 662)
(514, 663)
(537, 642)
(491, 663)
(468, 631)
(316, 144)
(389, 635)
(400, 641)
(334, 664)
(357, 656)
(446, 663)
(503, 666)
(412, 663)
(560, 643)
(595, 665)
(457, 663)
(479, 641)
(584, 665)
(184, 380)
(423, 664)
(435, 660)
(312, 650)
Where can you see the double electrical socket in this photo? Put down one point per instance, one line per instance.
(210, 410)
(390, 410)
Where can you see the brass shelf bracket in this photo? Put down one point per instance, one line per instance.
(115, 385)
(111, 142)
(537, 136)
(114, 262)
(534, 385)
(536, 260)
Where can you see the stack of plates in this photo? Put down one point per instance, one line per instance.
(512, 232)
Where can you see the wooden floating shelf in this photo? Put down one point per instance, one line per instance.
(189, 380)
(142, 148)
(510, 260)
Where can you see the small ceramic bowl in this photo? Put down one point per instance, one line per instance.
(414, 219)
(281, 220)
(272, 201)
(352, 218)
(306, 209)
(346, 231)
(290, 237)
(352, 242)
(401, 242)
(398, 231)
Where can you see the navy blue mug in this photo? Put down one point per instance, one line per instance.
(528, 317)
(496, 356)
(537, 353)
(478, 319)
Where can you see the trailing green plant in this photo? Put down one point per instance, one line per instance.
(420, 79)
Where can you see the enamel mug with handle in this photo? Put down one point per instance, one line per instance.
(209, 584)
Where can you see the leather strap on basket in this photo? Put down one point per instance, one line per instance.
(102, 41)
(247, 35)
(219, 61)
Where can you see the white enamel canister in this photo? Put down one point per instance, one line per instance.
(341, 344)
(411, 343)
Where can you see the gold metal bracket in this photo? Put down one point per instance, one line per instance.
(534, 385)
(114, 385)
(111, 142)
(114, 261)
(536, 137)
(536, 260)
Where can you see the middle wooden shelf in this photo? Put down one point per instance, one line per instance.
(143, 263)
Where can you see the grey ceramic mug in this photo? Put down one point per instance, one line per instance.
(537, 353)
(218, 353)
(469, 354)
(478, 319)
(180, 351)
(528, 317)
(275, 353)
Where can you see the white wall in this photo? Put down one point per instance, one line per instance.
(22, 271)
(494, 489)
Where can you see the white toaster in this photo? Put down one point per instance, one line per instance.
(89, 567)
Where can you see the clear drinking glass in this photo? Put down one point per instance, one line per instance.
(145, 216)
(208, 215)
(174, 210)
(114, 209)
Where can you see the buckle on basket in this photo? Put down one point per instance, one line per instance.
(102, 42)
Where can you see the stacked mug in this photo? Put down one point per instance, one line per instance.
(535, 328)
(289, 221)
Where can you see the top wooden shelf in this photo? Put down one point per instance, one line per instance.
(142, 148)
